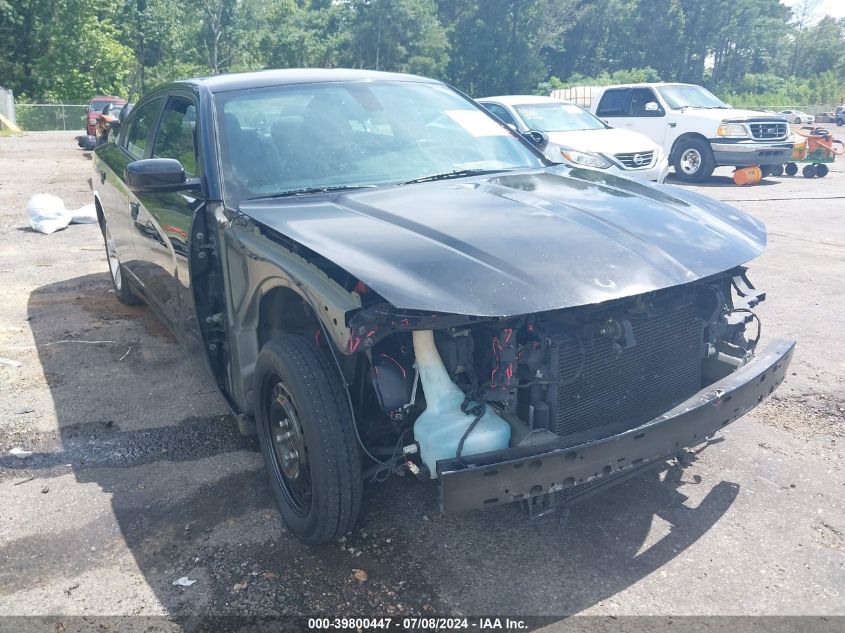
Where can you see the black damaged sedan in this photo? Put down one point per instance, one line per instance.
(382, 277)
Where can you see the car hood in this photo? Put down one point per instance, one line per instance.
(605, 141)
(730, 114)
(517, 243)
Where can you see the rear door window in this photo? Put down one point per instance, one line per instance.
(614, 103)
(138, 133)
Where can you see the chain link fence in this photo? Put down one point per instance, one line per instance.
(50, 116)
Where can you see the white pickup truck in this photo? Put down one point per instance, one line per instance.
(696, 130)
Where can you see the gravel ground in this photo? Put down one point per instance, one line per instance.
(138, 477)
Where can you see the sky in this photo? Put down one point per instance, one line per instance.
(835, 8)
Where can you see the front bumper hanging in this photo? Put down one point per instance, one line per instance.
(517, 473)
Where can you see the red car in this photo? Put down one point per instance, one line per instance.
(94, 111)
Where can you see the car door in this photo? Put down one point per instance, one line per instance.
(646, 115)
(117, 200)
(163, 219)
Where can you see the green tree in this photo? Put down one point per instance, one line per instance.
(23, 26)
(399, 36)
(823, 50)
(307, 34)
(498, 46)
(74, 67)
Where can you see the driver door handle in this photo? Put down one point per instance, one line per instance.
(133, 210)
(103, 177)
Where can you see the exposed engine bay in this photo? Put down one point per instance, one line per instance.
(445, 386)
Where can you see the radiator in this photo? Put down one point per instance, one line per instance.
(599, 384)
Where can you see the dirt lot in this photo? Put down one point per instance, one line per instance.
(138, 476)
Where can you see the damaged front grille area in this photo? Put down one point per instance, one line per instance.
(626, 370)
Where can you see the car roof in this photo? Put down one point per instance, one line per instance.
(521, 99)
(650, 85)
(267, 78)
(107, 98)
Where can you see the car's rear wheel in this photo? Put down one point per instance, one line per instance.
(122, 290)
(306, 433)
(791, 169)
(693, 160)
(822, 170)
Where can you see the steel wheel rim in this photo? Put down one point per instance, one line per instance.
(289, 452)
(114, 261)
(690, 161)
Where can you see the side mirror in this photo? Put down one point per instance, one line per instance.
(538, 139)
(85, 109)
(158, 174)
(652, 106)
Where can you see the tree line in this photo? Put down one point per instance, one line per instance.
(746, 50)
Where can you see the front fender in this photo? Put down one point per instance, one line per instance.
(255, 265)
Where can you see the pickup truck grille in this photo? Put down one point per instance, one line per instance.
(771, 131)
(630, 160)
(601, 384)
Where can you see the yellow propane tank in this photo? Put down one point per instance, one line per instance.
(799, 150)
(748, 175)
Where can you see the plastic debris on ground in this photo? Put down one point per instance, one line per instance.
(20, 453)
(184, 581)
(9, 362)
(48, 214)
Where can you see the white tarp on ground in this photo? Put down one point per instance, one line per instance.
(47, 213)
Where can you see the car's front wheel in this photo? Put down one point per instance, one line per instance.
(122, 290)
(306, 433)
(693, 160)
(797, 120)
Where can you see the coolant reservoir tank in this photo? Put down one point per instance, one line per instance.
(441, 426)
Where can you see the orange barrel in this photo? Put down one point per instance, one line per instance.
(748, 175)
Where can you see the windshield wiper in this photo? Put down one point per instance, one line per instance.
(458, 173)
(309, 190)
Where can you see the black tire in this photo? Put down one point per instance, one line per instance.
(822, 170)
(797, 120)
(840, 122)
(809, 171)
(693, 160)
(776, 170)
(306, 433)
(122, 289)
(791, 169)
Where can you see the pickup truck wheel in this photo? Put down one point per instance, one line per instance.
(122, 290)
(693, 160)
(305, 430)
